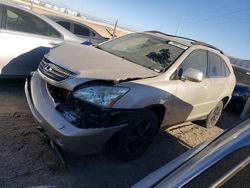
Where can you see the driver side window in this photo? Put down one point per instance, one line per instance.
(21, 21)
(196, 60)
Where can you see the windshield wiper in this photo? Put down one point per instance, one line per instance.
(164, 69)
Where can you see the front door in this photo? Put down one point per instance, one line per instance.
(191, 97)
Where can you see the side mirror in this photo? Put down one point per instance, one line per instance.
(193, 75)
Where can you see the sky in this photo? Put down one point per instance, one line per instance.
(222, 23)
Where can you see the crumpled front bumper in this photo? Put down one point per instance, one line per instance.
(63, 133)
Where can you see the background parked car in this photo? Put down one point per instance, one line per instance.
(242, 89)
(216, 163)
(81, 30)
(240, 62)
(24, 39)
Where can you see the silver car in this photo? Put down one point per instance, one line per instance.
(81, 30)
(125, 89)
(24, 39)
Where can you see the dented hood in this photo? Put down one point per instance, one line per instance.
(93, 63)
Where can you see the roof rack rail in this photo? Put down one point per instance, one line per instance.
(207, 45)
(195, 42)
(192, 40)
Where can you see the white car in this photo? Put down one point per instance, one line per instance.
(24, 39)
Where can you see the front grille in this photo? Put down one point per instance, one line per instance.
(54, 71)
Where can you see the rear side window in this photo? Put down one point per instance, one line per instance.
(81, 30)
(227, 71)
(93, 34)
(196, 60)
(66, 25)
(217, 67)
(19, 20)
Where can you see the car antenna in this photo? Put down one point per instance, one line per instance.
(31, 4)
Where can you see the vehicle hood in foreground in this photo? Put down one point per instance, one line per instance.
(93, 63)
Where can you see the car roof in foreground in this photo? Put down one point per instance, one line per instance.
(193, 162)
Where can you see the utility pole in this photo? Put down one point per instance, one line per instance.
(114, 30)
(179, 25)
(31, 4)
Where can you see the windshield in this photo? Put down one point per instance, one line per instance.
(148, 51)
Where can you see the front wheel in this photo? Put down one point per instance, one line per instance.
(134, 140)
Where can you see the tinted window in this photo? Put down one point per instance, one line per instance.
(80, 30)
(216, 67)
(196, 60)
(66, 25)
(93, 34)
(19, 20)
(1, 16)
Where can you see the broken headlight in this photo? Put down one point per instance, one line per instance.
(104, 96)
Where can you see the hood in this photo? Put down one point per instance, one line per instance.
(93, 63)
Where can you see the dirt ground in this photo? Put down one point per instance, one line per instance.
(27, 160)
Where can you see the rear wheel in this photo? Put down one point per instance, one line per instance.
(134, 140)
(213, 116)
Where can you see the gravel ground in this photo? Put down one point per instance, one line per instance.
(27, 160)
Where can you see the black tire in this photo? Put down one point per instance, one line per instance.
(134, 139)
(213, 117)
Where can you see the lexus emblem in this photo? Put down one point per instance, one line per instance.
(48, 67)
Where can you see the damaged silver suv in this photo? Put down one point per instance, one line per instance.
(125, 89)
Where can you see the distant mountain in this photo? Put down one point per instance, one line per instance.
(240, 62)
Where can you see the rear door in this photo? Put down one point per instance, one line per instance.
(25, 38)
(217, 73)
